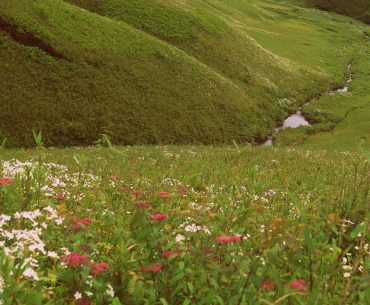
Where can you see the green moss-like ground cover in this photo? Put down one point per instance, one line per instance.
(152, 72)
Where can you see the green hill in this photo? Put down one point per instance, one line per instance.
(359, 9)
(148, 72)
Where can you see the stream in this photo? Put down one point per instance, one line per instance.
(297, 119)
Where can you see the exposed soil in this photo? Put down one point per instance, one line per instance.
(28, 39)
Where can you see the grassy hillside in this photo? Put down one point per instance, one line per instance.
(154, 72)
(359, 9)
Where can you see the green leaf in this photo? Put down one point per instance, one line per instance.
(358, 230)
(186, 302)
(163, 301)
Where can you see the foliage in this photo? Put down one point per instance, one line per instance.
(184, 225)
(186, 73)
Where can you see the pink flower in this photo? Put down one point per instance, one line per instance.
(143, 204)
(299, 285)
(164, 195)
(6, 181)
(74, 259)
(99, 268)
(268, 285)
(152, 269)
(227, 239)
(159, 216)
(136, 192)
(167, 254)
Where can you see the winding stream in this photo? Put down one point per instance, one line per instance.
(297, 119)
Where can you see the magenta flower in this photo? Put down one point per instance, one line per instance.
(156, 268)
(164, 195)
(159, 216)
(75, 259)
(299, 285)
(227, 239)
(167, 254)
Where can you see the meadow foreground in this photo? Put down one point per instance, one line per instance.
(184, 225)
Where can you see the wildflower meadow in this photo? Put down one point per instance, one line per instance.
(184, 225)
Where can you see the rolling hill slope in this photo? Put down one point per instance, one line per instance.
(359, 9)
(148, 72)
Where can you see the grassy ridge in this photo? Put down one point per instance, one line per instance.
(219, 74)
(137, 88)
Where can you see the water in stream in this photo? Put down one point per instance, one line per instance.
(297, 119)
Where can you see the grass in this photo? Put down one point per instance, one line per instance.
(359, 9)
(340, 121)
(301, 217)
(200, 72)
(182, 224)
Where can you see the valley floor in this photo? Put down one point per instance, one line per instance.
(339, 120)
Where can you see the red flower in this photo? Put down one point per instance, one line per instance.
(268, 285)
(136, 192)
(167, 254)
(74, 259)
(299, 285)
(183, 190)
(159, 216)
(84, 247)
(60, 197)
(152, 269)
(76, 223)
(227, 239)
(164, 195)
(6, 181)
(99, 268)
(143, 204)
(84, 301)
(84, 221)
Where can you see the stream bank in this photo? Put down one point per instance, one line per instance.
(297, 119)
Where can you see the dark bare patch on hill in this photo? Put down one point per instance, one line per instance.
(28, 39)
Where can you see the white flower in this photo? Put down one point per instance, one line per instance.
(110, 291)
(179, 238)
(191, 228)
(30, 273)
(2, 282)
(52, 254)
(346, 267)
(347, 274)
(78, 295)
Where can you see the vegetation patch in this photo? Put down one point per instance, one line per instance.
(189, 72)
(184, 225)
(27, 39)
